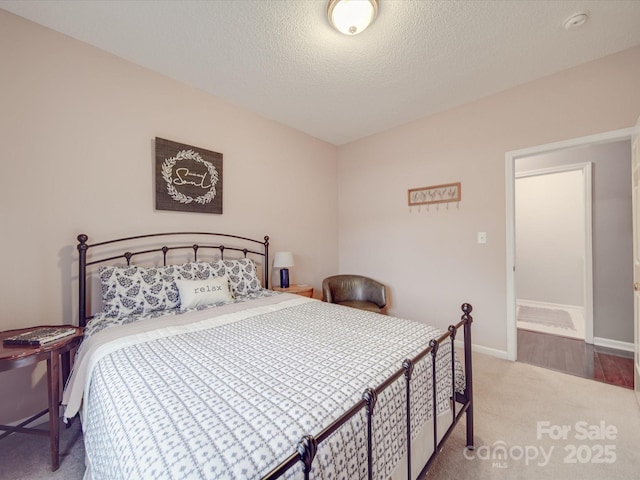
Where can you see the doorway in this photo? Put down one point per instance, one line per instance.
(554, 287)
(613, 330)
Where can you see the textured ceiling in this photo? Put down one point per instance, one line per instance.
(281, 59)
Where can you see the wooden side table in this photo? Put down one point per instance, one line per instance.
(304, 290)
(58, 357)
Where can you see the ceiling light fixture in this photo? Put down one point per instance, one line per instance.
(575, 21)
(352, 16)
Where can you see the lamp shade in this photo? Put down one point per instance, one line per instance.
(352, 16)
(283, 260)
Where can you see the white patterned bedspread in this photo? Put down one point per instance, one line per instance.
(231, 401)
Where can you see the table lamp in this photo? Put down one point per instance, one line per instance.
(283, 260)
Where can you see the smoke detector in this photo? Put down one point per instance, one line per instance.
(575, 21)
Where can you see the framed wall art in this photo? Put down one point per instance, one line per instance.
(188, 179)
(448, 192)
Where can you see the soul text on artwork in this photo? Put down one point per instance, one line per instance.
(182, 173)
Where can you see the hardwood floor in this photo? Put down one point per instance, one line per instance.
(576, 357)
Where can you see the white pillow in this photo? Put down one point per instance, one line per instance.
(194, 293)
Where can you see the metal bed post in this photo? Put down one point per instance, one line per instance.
(370, 397)
(266, 261)
(408, 371)
(434, 351)
(452, 335)
(307, 449)
(82, 279)
(468, 371)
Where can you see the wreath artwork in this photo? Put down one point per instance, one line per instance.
(187, 178)
(167, 174)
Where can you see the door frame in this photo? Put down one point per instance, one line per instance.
(635, 193)
(587, 273)
(510, 158)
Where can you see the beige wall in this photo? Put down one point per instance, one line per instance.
(430, 259)
(76, 149)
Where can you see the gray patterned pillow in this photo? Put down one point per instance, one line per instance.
(136, 290)
(243, 276)
(131, 290)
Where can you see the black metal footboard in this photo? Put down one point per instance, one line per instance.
(308, 445)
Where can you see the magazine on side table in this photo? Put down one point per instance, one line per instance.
(38, 337)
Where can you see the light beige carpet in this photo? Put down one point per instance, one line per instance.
(511, 400)
(27, 457)
(541, 418)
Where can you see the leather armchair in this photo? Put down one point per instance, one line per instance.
(355, 291)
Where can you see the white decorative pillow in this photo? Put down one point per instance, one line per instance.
(194, 293)
(243, 276)
(187, 271)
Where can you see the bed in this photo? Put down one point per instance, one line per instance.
(192, 368)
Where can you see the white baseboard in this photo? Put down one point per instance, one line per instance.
(616, 344)
(484, 350)
(536, 303)
(600, 342)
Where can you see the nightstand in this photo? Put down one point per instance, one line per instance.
(58, 357)
(304, 290)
